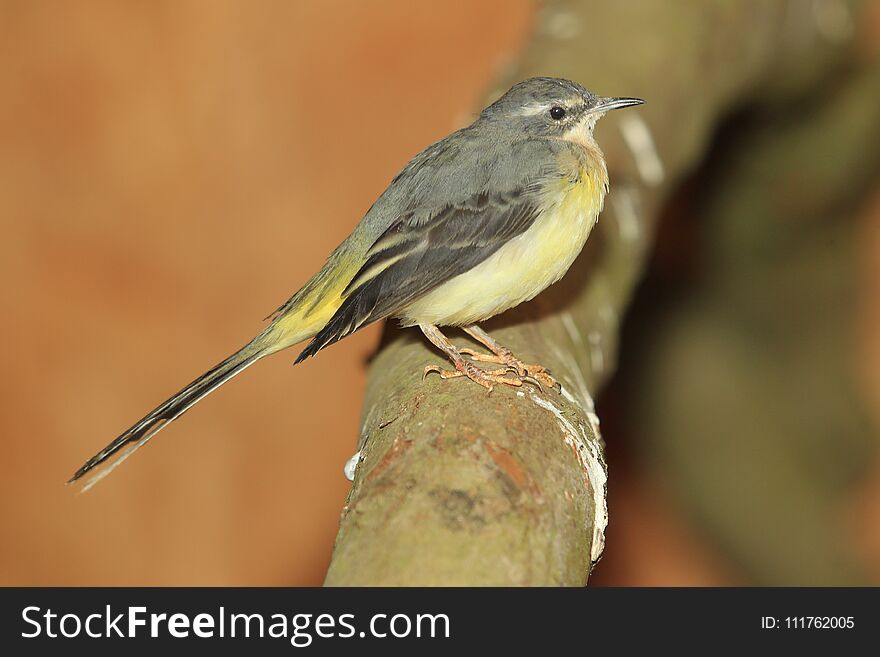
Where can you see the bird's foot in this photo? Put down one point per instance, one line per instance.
(486, 378)
(523, 370)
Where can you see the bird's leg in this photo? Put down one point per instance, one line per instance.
(502, 355)
(485, 378)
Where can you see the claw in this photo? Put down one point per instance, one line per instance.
(530, 379)
(513, 373)
(486, 378)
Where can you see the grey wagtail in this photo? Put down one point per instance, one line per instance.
(475, 224)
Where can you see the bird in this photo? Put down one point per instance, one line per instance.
(475, 224)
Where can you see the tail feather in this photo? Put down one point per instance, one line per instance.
(300, 318)
(138, 435)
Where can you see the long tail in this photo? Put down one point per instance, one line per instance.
(300, 318)
(138, 435)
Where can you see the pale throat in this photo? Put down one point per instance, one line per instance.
(592, 162)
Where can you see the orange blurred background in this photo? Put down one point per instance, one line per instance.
(170, 173)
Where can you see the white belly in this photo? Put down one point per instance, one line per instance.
(519, 270)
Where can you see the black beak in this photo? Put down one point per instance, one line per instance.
(607, 104)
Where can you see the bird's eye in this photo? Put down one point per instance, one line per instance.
(557, 113)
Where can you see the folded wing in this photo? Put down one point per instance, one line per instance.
(422, 250)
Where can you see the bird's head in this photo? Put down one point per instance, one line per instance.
(551, 107)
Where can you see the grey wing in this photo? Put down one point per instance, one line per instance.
(421, 251)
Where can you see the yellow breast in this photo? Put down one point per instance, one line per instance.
(527, 264)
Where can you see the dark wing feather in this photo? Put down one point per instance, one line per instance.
(420, 252)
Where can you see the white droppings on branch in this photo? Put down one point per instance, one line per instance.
(570, 398)
(589, 410)
(637, 136)
(593, 419)
(351, 466)
(589, 454)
